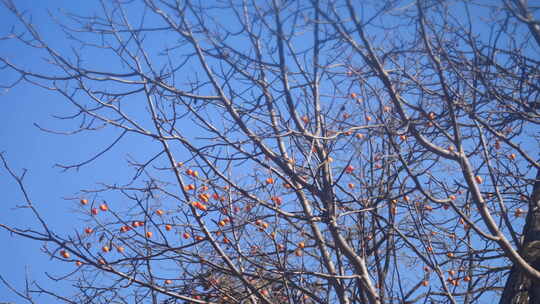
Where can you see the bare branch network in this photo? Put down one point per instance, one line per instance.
(306, 151)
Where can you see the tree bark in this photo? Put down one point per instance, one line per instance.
(519, 288)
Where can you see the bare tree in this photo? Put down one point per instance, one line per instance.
(308, 151)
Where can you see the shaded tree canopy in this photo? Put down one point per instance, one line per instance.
(296, 151)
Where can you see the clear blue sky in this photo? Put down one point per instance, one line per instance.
(27, 147)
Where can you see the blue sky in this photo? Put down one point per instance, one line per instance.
(25, 146)
(53, 191)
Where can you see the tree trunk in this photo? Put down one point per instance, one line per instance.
(519, 288)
